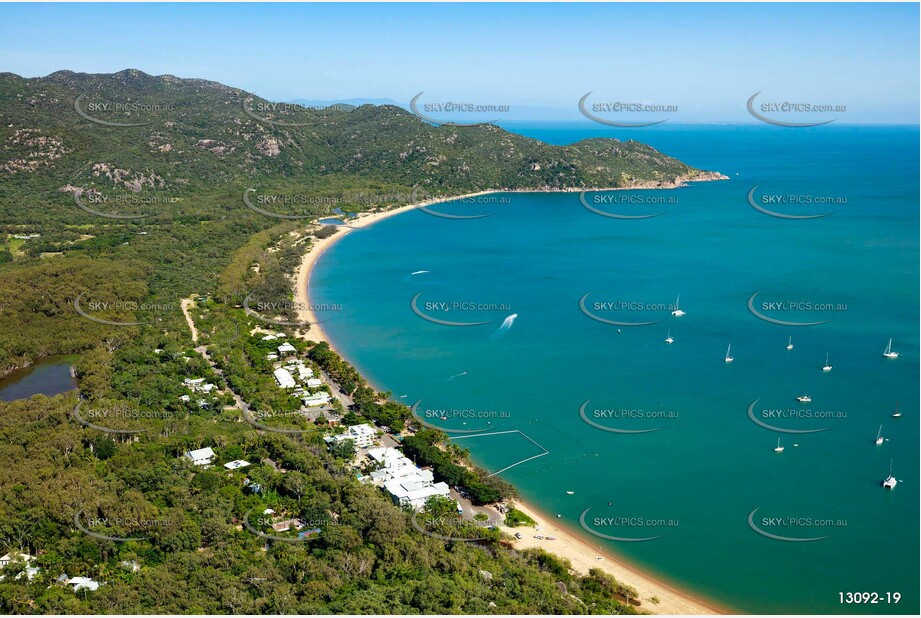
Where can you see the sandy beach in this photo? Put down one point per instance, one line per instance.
(584, 555)
(580, 552)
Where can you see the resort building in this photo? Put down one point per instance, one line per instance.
(284, 378)
(415, 491)
(362, 435)
(406, 483)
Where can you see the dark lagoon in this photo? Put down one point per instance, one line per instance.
(49, 376)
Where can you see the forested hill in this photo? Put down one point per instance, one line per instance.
(185, 136)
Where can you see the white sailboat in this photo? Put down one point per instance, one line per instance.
(790, 343)
(890, 481)
(879, 436)
(678, 312)
(889, 353)
(897, 413)
(827, 367)
(669, 338)
(778, 448)
(729, 357)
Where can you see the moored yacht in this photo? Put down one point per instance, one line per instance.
(889, 353)
(678, 312)
(890, 481)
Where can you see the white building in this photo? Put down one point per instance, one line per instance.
(304, 372)
(362, 435)
(406, 483)
(314, 383)
(316, 400)
(286, 348)
(415, 490)
(236, 464)
(198, 385)
(284, 378)
(83, 583)
(201, 457)
(13, 556)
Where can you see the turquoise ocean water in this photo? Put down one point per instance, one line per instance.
(695, 481)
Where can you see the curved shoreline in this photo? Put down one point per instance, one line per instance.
(569, 544)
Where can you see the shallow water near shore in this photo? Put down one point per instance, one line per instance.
(698, 478)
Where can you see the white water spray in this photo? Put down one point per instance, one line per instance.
(504, 328)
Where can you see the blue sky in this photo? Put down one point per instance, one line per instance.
(705, 59)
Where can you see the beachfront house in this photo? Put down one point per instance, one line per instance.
(284, 378)
(286, 348)
(201, 457)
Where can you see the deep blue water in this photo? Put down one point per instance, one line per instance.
(709, 465)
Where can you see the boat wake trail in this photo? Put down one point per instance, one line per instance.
(457, 375)
(504, 328)
(408, 278)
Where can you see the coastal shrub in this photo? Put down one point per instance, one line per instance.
(514, 518)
